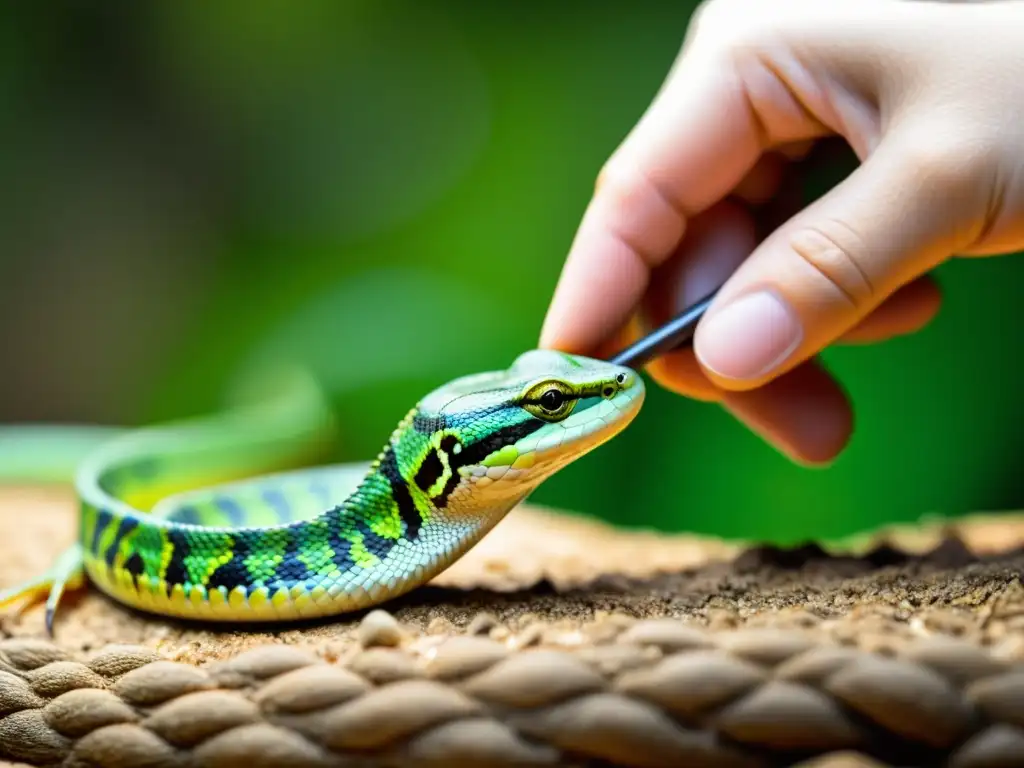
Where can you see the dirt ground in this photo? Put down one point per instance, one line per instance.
(544, 577)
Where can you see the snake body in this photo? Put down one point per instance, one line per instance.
(210, 519)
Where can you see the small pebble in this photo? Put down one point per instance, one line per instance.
(383, 665)
(460, 656)
(439, 625)
(500, 633)
(799, 617)
(379, 628)
(530, 636)
(525, 620)
(720, 619)
(482, 624)
(607, 626)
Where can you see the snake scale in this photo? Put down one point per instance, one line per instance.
(220, 519)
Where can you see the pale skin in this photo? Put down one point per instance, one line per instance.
(929, 95)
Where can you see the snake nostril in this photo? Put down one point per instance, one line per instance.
(621, 378)
(608, 391)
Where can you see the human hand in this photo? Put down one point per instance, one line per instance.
(929, 95)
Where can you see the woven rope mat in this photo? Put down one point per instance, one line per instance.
(557, 641)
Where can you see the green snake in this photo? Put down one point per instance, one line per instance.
(210, 519)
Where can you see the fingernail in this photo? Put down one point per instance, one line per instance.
(749, 337)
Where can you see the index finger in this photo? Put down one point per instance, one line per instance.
(693, 145)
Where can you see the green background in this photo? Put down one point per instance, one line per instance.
(387, 190)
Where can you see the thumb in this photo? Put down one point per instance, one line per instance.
(918, 198)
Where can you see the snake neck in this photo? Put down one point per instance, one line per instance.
(422, 480)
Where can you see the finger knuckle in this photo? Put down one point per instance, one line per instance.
(835, 251)
(616, 177)
(958, 172)
(644, 213)
(948, 165)
(729, 25)
(709, 15)
(632, 183)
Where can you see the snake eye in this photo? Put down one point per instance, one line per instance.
(552, 400)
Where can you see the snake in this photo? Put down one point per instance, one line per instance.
(225, 517)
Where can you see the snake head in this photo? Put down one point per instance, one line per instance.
(497, 436)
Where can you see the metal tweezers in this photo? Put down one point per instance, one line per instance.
(672, 335)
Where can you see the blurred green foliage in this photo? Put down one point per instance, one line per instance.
(387, 191)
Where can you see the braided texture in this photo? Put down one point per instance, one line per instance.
(543, 647)
(658, 692)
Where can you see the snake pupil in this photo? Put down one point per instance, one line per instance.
(551, 400)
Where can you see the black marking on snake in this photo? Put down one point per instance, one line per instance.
(103, 521)
(125, 526)
(474, 453)
(134, 564)
(341, 546)
(176, 573)
(343, 518)
(291, 569)
(400, 493)
(428, 425)
(377, 545)
(430, 470)
(448, 444)
(231, 574)
(441, 500)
